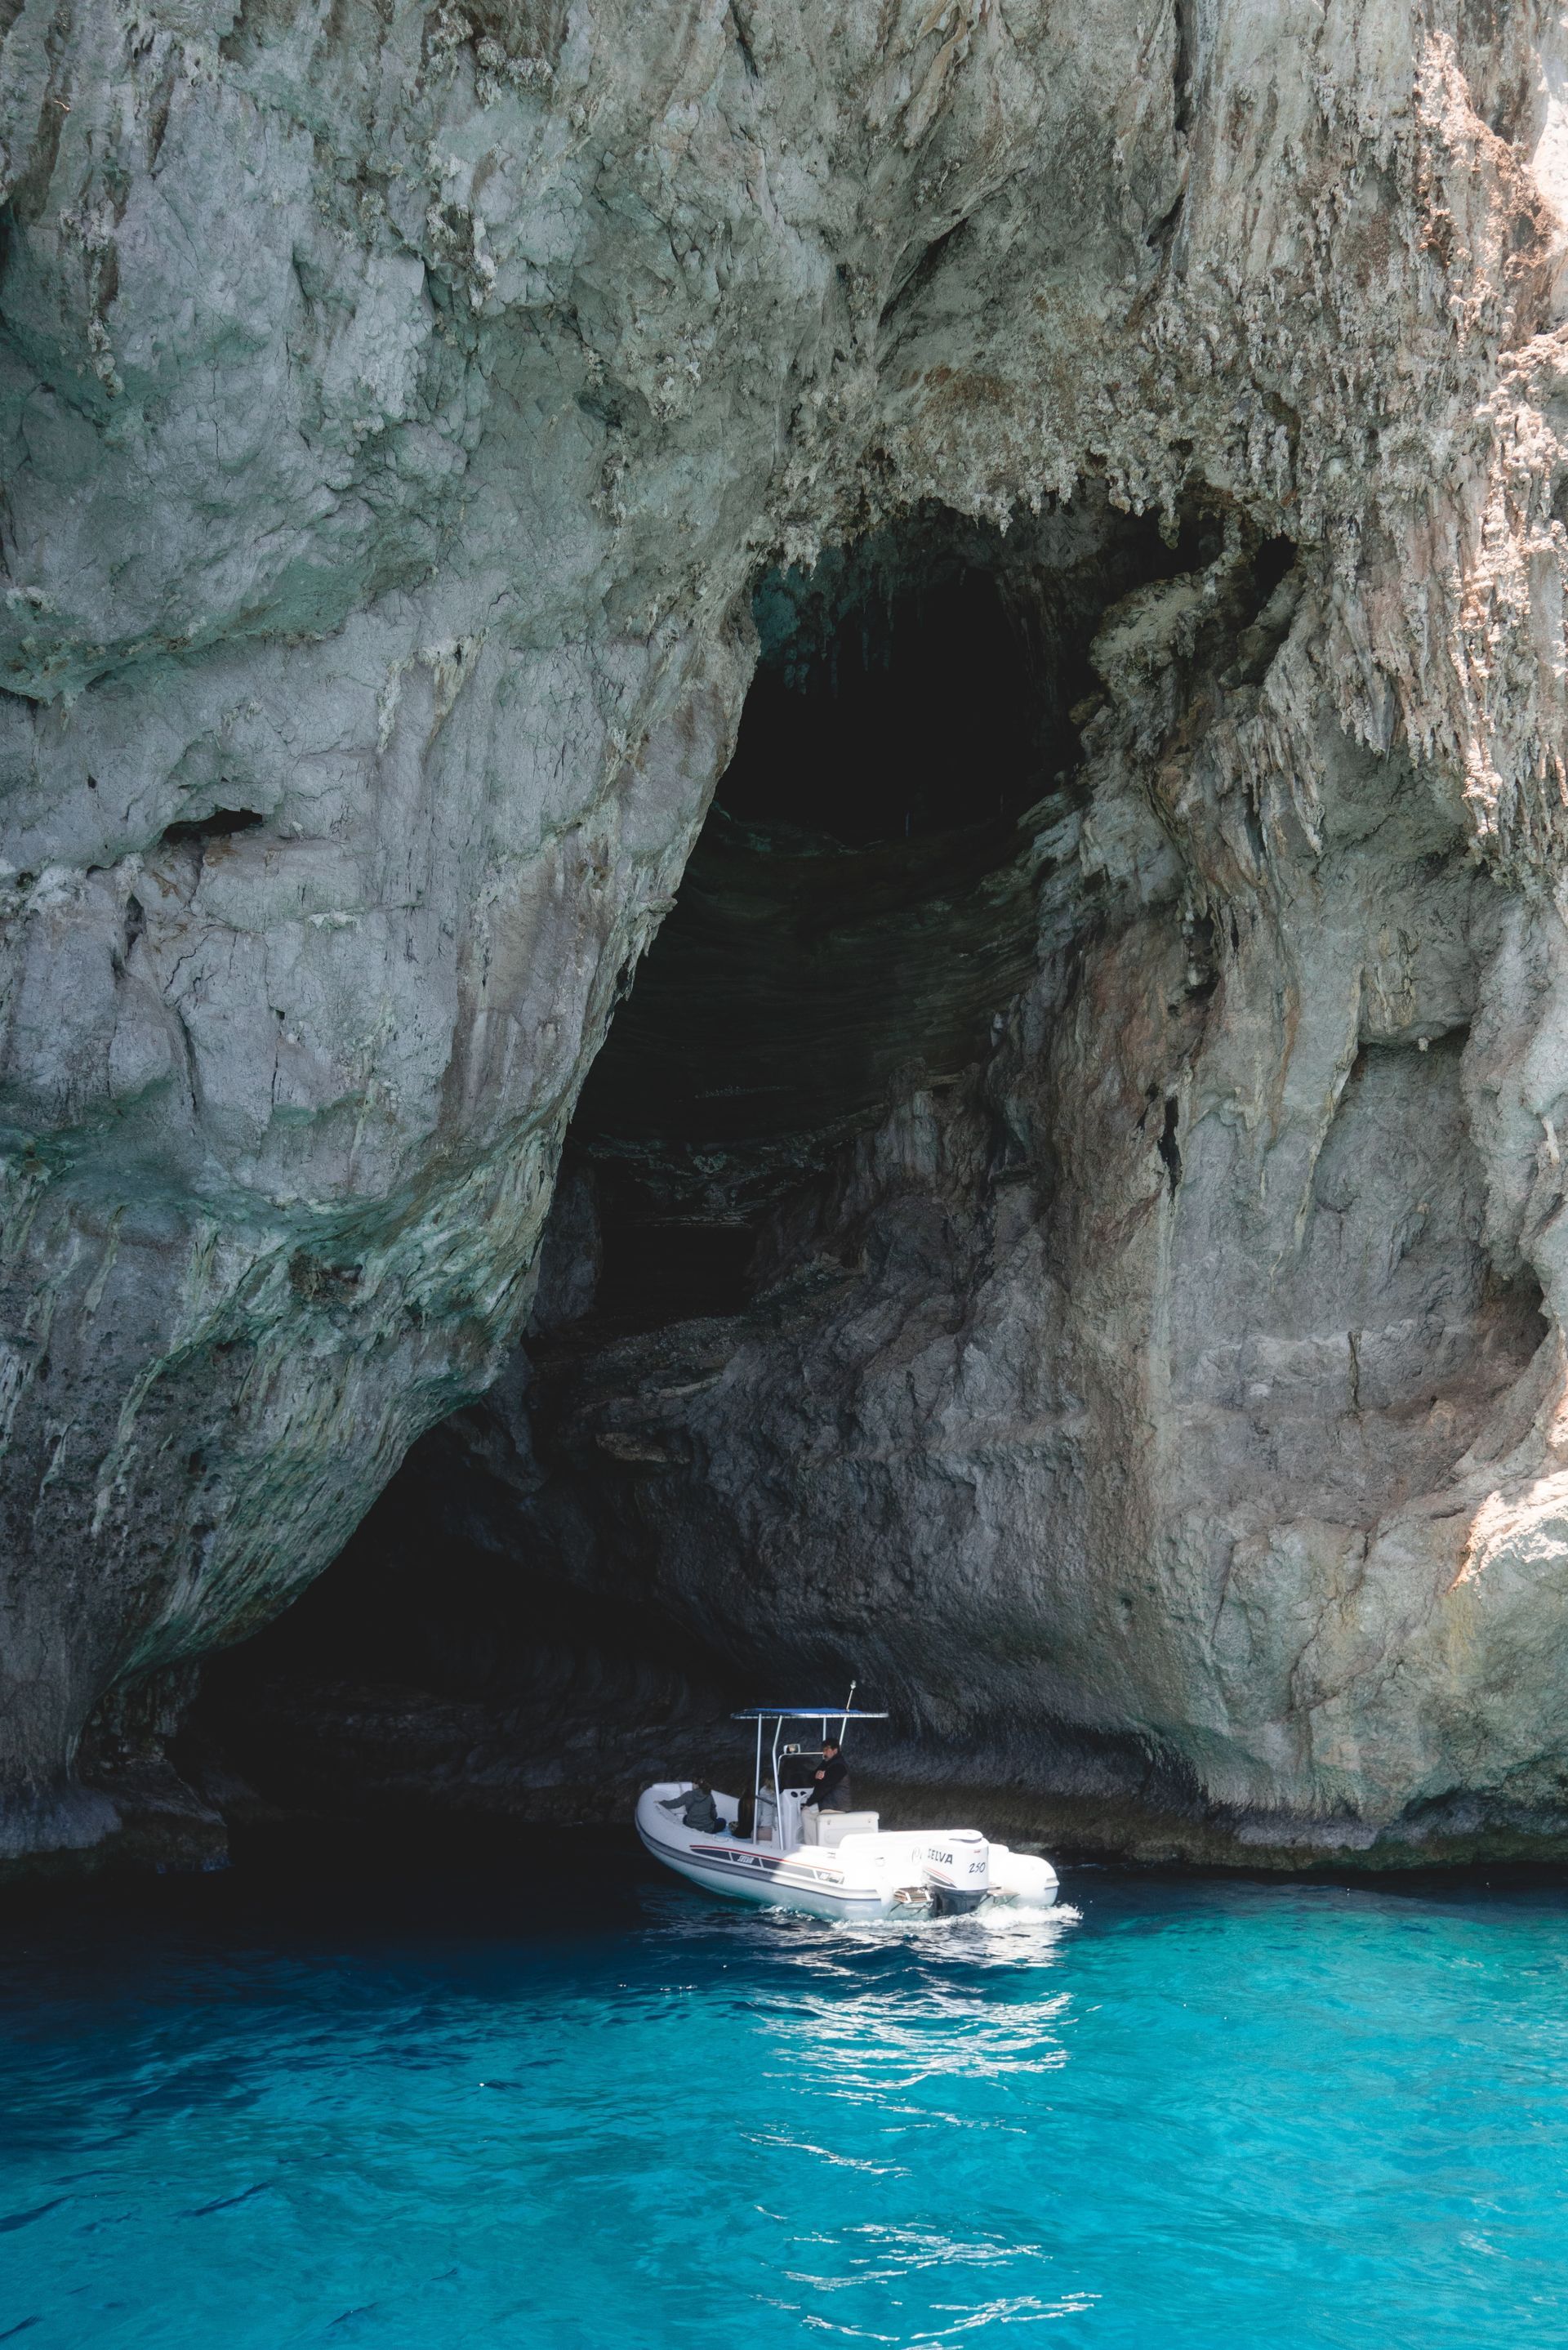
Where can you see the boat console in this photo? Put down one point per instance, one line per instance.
(827, 1830)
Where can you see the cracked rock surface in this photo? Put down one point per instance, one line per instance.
(1156, 1370)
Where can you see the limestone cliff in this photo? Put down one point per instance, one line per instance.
(401, 406)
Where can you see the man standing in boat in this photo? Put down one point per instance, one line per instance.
(830, 1785)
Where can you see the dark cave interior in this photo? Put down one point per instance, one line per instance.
(862, 740)
(862, 899)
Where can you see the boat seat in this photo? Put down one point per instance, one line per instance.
(830, 1828)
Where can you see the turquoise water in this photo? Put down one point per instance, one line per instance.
(245, 2115)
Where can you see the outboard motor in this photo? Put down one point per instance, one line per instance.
(956, 1867)
(1023, 1877)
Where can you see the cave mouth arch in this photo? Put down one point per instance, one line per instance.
(812, 1389)
(861, 909)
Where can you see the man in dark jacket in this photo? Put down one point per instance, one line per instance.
(830, 1785)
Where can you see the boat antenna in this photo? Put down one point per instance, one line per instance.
(848, 1701)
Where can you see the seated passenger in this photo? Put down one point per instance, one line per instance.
(696, 1807)
(830, 1785)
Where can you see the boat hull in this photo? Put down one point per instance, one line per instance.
(867, 1873)
(743, 1873)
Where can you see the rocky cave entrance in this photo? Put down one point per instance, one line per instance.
(861, 910)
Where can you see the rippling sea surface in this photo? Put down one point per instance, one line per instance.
(582, 2110)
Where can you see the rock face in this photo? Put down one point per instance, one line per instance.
(1140, 1344)
(1155, 1405)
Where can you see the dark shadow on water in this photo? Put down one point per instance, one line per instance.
(444, 1889)
(298, 1892)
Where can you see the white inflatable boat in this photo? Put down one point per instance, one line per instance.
(833, 1864)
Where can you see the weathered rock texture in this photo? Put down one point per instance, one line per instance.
(400, 404)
